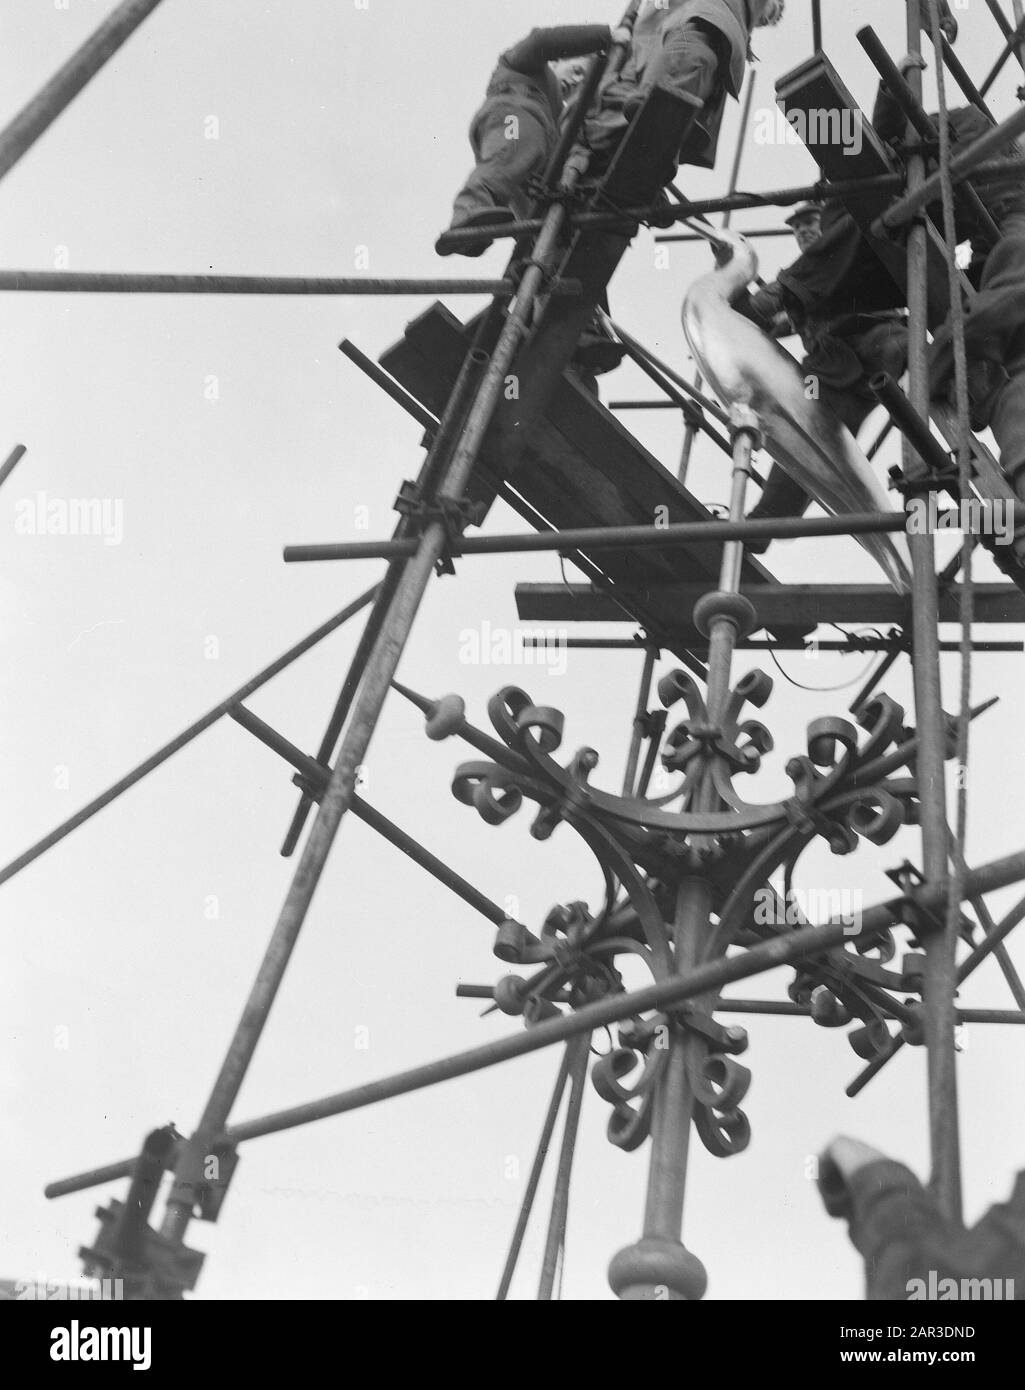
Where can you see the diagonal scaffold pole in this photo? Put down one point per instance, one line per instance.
(967, 968)
(381, 666)
(534, 1180)
(20, 134)
(578, 1055)
(444, 433)
(314, 775)
(940, 945)
(176, 744)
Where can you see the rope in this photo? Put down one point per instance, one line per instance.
(964, 445)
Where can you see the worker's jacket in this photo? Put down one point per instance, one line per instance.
(1001, 198)
(523, 71)
(994, 328)
(732, 18)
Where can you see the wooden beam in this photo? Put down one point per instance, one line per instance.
(779, 605)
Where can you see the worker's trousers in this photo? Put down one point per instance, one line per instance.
(1008, 418)
(512, 140)
(687, 60)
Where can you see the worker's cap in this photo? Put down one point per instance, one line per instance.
(802, 212)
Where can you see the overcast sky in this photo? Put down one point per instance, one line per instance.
(221, 429)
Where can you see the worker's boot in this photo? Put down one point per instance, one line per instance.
(484, 218)
(597, 351)
(782, 497)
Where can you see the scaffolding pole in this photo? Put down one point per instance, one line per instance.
(709, 976)
(21, 134)
(454, 475)
(940, 945)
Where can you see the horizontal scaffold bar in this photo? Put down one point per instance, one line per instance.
(962, 166)
(823, 191)
(615, 537)
(103, 282)
(710, 975)
(779, 605)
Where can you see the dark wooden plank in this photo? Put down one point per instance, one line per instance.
(816, 91)
(803, 605)
(579, 467)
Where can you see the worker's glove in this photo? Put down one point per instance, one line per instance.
(912, 60)
(621, 36)
(838, 1163)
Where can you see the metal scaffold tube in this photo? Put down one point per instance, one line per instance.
(938, 990)
(682, 874)
(101, 282)
(380, 670)
(20, 134)
(705, 978)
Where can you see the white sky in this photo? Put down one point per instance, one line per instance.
(342, 127)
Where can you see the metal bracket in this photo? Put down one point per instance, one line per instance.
(719, 1036)
(214, 1190)
(455, 514)
(930, 481)
(923, 921)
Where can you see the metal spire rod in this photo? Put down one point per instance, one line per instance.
(20, 134)
(710, 975)
(938, 985)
